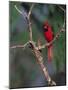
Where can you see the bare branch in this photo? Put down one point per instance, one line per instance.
(39, 59)
(64, 14)
(30, 11)
(30, 30)
(29, 22)
(61, 8)
(56, 36)
(28, 18)
(18, 9)
(20, 46)
(17, 46)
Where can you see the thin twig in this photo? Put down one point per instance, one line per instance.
(64, 13)
(20, 46)
(61, 8)
(29, 22)
(17, 46)
(30, 11)
(30, 30)
(18, 9)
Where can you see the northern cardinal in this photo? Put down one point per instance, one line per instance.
(48, 34)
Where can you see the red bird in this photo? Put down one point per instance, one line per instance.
(48, 34)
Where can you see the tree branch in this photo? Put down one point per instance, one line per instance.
(29, 22)
(39, 59)
(30, 11)
(28, 19)
(61, 8)
(20, 46)
(56, 36)
(18, 10)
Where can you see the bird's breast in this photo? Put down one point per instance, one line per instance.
(48, 36)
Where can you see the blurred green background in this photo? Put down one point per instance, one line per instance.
(24, 70)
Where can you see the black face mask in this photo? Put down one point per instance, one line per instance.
(46, 29)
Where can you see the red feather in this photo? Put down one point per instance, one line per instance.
(48, 34)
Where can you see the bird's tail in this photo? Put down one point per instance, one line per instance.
(50, 53)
